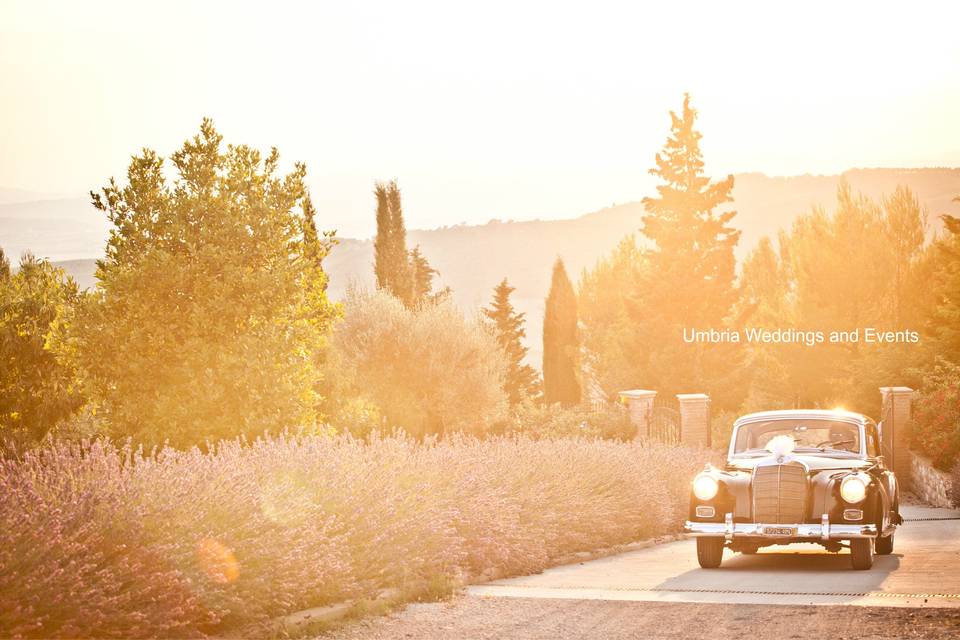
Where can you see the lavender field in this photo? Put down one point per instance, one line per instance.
(105, 541)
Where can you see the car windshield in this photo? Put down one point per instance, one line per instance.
(828, 435)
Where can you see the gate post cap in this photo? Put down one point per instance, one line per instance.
(690, 397)
(896, 390)
(636, 394)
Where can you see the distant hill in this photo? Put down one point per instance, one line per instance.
(10, 196)
(64, 229)
(473, 259)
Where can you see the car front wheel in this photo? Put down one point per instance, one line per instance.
(861, 553)
(709, 552)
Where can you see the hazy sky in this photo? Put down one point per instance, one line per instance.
(481, 110)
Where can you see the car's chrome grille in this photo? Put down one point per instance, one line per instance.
(779, 493)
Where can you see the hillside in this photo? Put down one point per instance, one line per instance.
(473, 259)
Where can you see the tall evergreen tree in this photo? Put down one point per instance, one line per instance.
(421, 274)
(389, 246)
(405, 274)
(403, 284)
(689, 279)
(521, 380)
(693, 246)
(561, 343)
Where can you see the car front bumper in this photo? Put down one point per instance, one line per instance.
(823, 530)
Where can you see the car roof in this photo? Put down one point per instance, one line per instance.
(808, 414)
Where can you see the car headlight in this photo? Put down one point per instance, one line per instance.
(853, 489)
(705, 487)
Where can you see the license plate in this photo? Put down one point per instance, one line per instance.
(779, 531)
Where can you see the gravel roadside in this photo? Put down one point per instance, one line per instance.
(481, 618)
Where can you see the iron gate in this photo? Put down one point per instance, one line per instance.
(665, 421)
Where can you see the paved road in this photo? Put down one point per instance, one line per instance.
(660, 593)
(923, 571)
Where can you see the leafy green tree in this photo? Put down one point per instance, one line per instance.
(210, 308)
(4, 266)
(855, 267)
(905, 231)
(945, 316)
(561, 343)
(842, 270)
(764, 292)
(521, 379)
(609, 334)
(37, 390)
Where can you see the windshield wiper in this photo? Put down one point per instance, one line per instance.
(827, 444)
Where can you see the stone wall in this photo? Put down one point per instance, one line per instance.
(929, 484)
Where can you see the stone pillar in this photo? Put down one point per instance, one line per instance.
(896, 429)
(639, 403)
(694, 419)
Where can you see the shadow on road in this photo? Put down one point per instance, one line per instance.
(787, 571)
(785, 560)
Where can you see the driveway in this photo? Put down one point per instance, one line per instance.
(661, 592)
(923, 571)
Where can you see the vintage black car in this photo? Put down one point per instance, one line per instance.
(797, 476)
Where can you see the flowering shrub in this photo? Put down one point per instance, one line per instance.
(102, 541)
(936, 419)
(610, 422)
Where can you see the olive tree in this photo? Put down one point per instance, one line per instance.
(426, 370)
(210, 313)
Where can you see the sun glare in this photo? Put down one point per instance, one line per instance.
(217, 561)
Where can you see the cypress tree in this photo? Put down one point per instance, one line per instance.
(560, 341)
(521, 379)
(400, 258)
(384, 265)
(405, 274)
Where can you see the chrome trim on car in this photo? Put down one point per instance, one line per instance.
(823, 530)
(853, 514)
(706, 511)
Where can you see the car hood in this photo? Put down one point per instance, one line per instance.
(814, 463)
